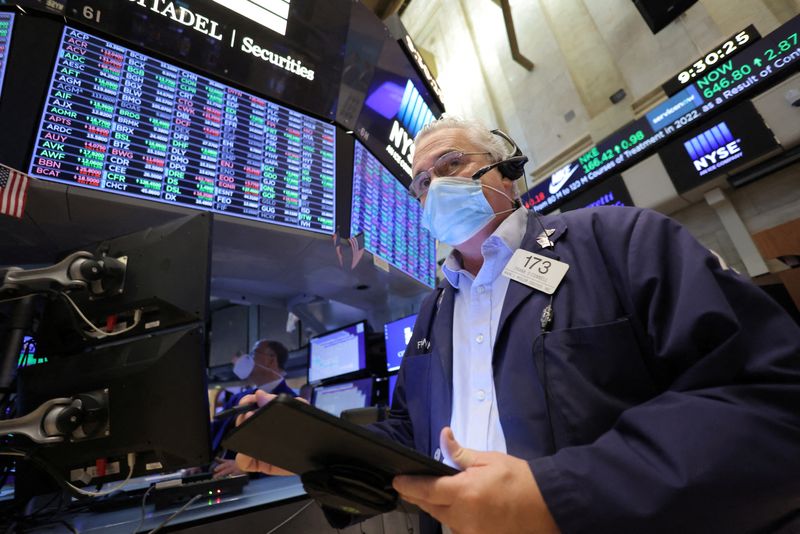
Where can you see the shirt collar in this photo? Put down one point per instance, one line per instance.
(509, 234)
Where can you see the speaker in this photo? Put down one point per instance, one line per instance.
(659, 13)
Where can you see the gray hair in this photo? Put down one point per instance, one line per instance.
(478, 134)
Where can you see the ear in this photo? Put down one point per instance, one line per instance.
(508, 185)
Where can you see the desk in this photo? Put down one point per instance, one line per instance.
(263, 505)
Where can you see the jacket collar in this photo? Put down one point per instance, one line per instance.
(517, 292)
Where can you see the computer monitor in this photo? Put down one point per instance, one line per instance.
(397, 334)
(166, 281)
(390, 219)
(336, 398)
(337, 353)
(155, 399)
(27, 354)
(6, 25)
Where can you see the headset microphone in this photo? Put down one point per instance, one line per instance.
(513, 167)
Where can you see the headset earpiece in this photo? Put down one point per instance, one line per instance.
(514, 166)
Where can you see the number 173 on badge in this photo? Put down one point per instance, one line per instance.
(539, 272)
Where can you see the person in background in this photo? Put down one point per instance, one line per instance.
(262, 368)
(592, 371)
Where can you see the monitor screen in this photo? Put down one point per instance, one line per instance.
(337, 353)
(6, 25)
(735, 138)
(390, 219)
(336, 398)
(124, 122)
(27, 354)
(392, 384)
(610, 191)
(397, 335)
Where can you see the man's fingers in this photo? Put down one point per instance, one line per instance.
(428, 490)
(460, 456)
(259, 397)
(250, 464)
(262, 397)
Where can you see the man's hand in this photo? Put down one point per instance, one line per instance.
(226, 467)
(495, 492)
(248, 463)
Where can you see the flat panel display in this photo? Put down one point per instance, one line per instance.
(123, 122)
(337, 398)
(717, 81)
(735, 137)
(6, 26)
(390, 219)
(339, 352)
(287, 50)
(397, 334)
(610, 192)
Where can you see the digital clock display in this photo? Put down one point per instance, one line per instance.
(726, 49)
(123, 122)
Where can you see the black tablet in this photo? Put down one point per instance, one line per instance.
(330, 454)
(298, 437)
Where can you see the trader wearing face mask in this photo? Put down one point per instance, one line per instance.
(597, 370)
(262, 368)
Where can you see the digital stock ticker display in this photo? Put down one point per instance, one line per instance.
(6, 25)
(390, 219)
(715, 82)
(121, 121)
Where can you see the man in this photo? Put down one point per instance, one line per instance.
(595, 371)
(262, 368)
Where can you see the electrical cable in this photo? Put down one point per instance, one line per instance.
(298, 512)
(131, 463)
(137, 317)
(173, 516)
(141, 517)
(14, 298)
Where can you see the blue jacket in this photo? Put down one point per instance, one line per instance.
(664, 398)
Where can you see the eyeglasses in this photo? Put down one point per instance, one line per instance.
(449, 164)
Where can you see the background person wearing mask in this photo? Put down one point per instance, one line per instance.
(592, 371)
(262, 368)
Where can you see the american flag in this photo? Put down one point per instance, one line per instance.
(13, 192)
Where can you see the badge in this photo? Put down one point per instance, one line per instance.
(539, 272)
(544, 238)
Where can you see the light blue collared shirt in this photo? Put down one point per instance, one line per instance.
(478, 302)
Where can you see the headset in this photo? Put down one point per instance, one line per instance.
(512, 167)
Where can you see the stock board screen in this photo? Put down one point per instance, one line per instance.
(123, 122)
(719, 80)
(390, 219)
(6, 24)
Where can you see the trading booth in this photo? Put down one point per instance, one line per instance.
(175, 153)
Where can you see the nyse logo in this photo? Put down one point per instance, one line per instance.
(713, 149)
(412, 115)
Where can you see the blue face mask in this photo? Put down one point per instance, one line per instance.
(456, 209)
